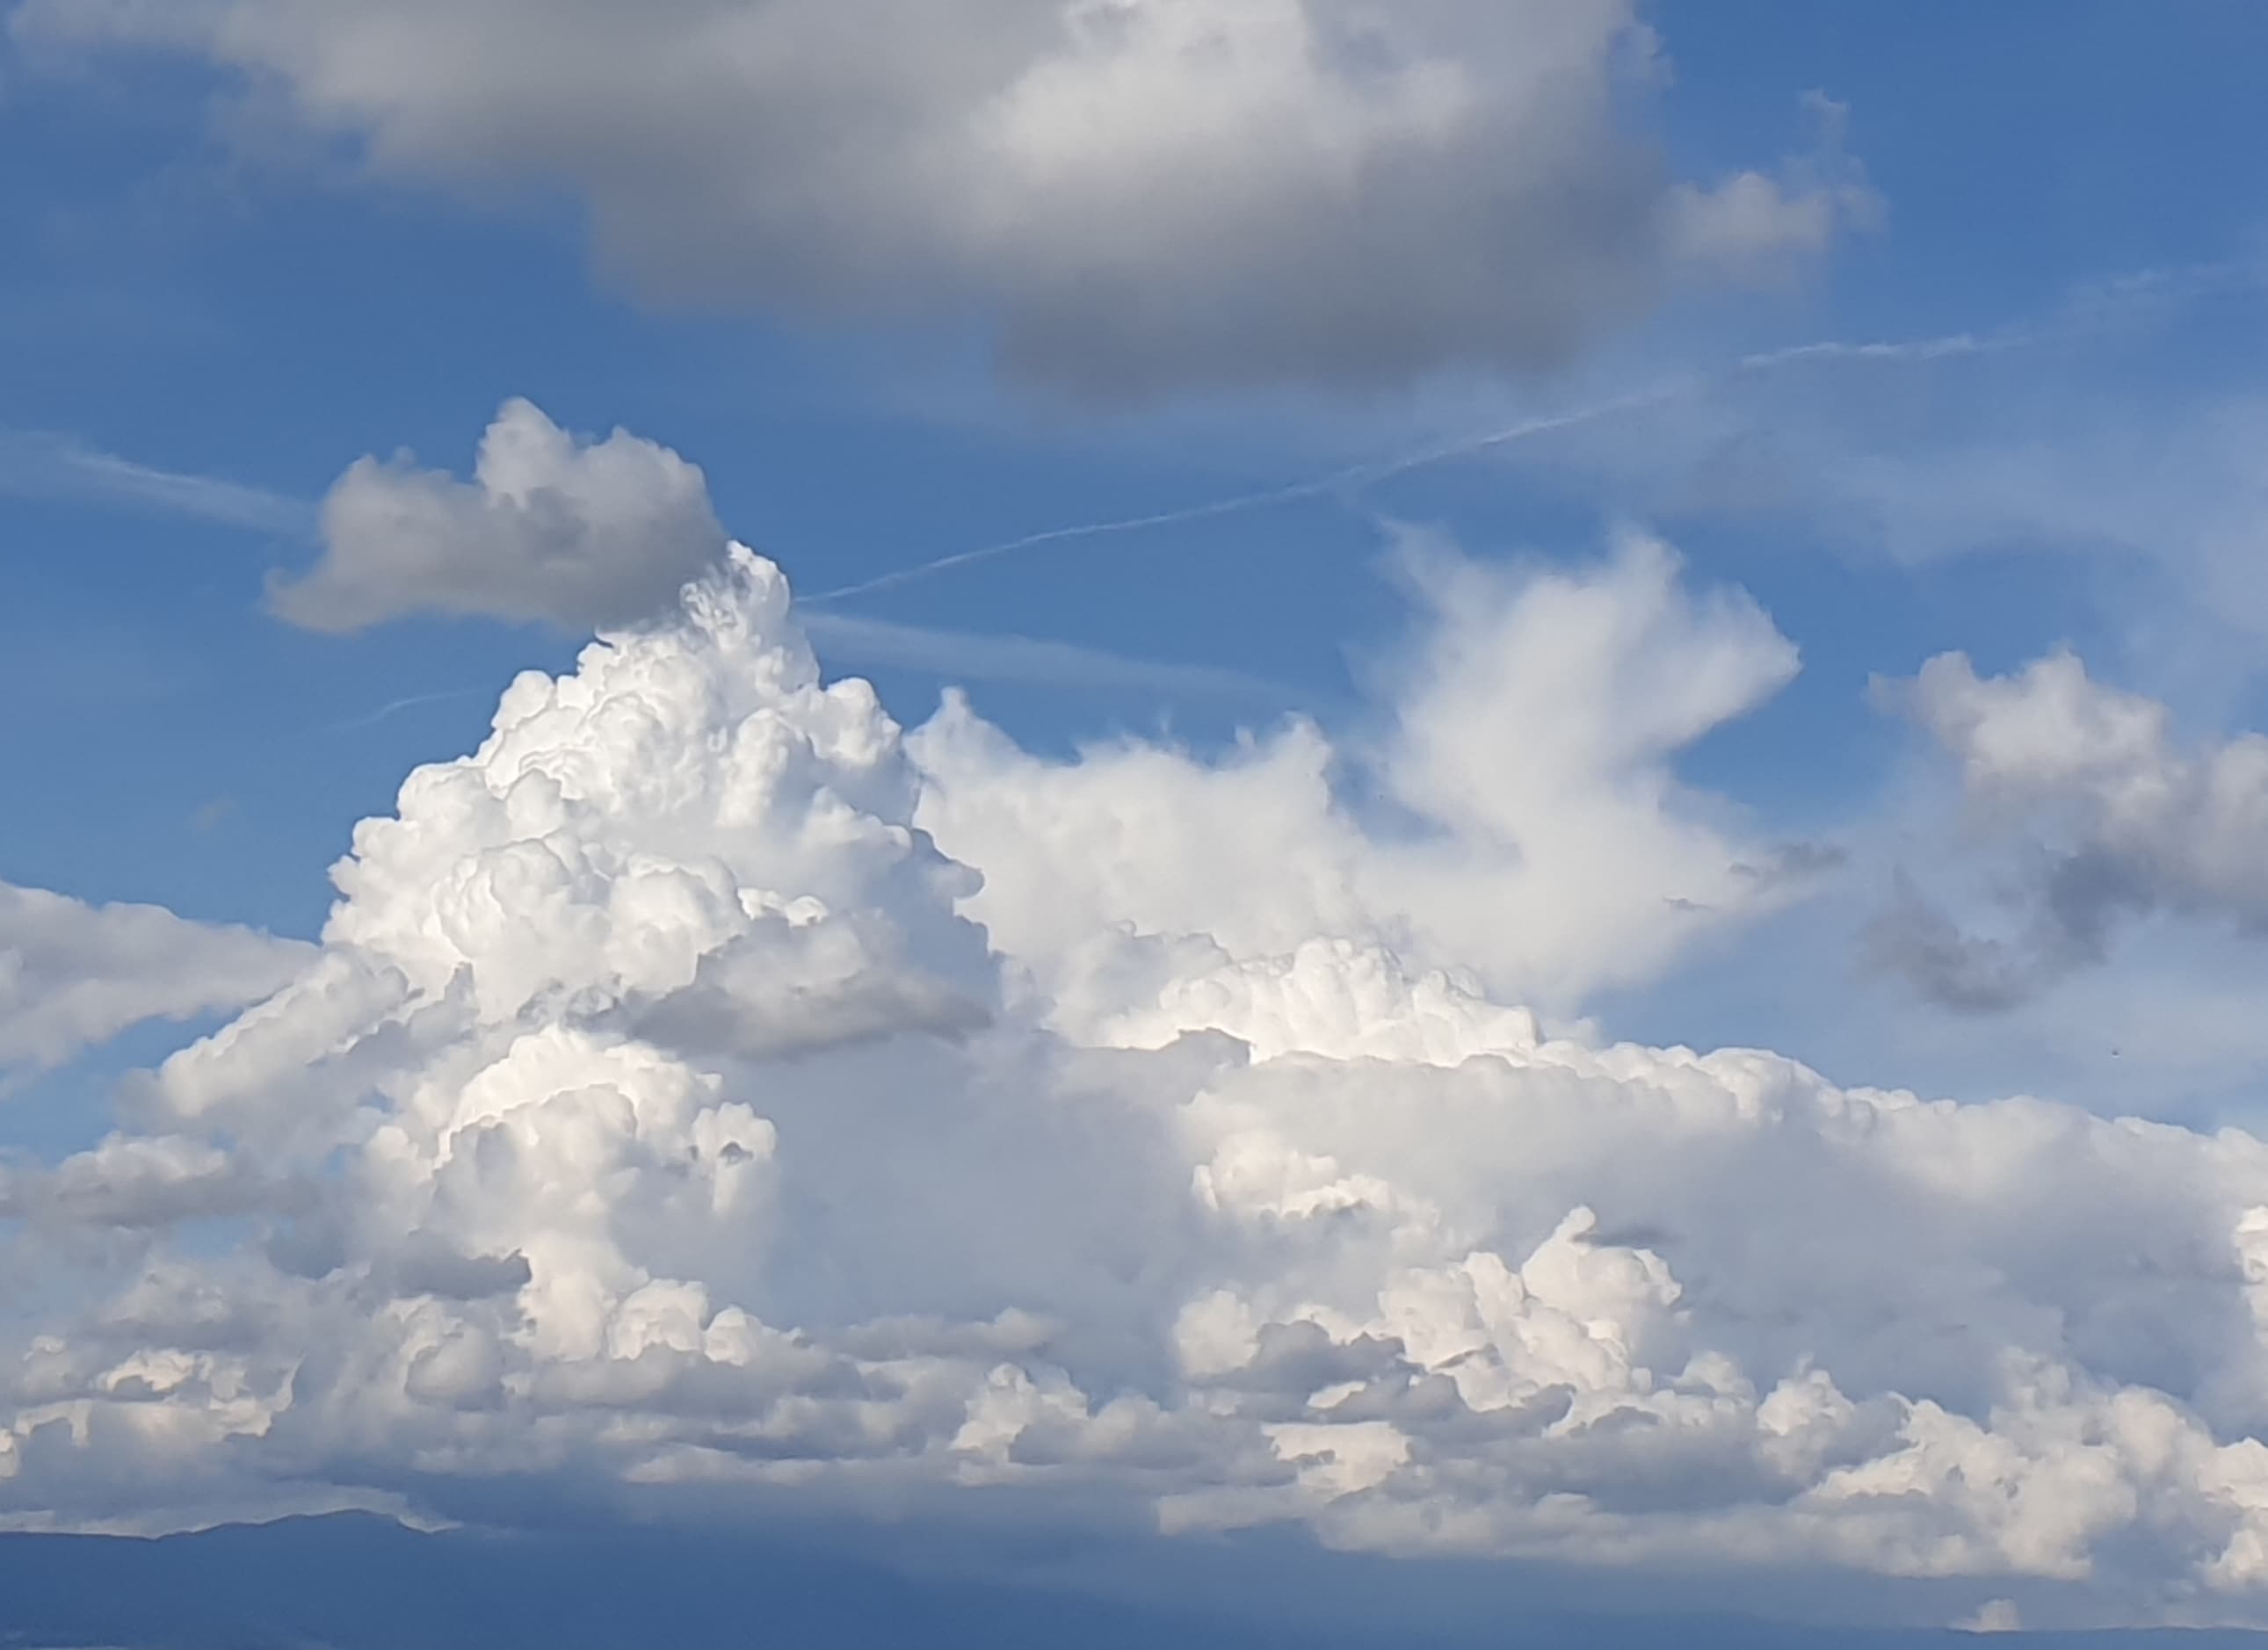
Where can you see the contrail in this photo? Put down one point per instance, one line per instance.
(397, 706)
(2087, 309)
(42, 465)
(1359, 475)
(1240, 504)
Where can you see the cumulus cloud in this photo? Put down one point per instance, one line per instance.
(1138, 194)
(73, 976)
(1756, 226)
(552, 528)
(762, 1140)
(1996, 1615)
(1514, 812)
(2113, 820)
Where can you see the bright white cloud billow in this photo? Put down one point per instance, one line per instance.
(1139, 193)
(736, 1159)
(552, 528)
(73, 976)
(1515, 813)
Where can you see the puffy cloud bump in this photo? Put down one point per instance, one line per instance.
(576, 534)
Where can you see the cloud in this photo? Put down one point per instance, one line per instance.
(1756, 228)
(583, 535)
(1996, 1615)
(551, 528)
(748, 1169)
(1513, 814)
(2113, 818)
(73, 976)
(1136, 194)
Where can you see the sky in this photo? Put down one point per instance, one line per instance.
(1461, 779)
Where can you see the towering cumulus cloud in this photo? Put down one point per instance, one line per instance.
(657, 1121)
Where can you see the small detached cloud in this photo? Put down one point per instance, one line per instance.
(1765, 227)
(552, 528)
(2111, 820)
(1998, 1615)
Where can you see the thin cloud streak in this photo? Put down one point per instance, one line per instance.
(35, 464)
(1335, 483)
(1032, 661)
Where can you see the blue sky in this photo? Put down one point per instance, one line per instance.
(234, 265)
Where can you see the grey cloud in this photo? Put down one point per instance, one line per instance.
(551, 528)
(72, 976)
(431, 1265)
(1914, 941)
(2106, 817)
(1137, 195)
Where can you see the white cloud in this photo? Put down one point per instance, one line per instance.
(1139, 193)
(2111, 819)
(73, 976)
(1995, 1615)
(1513, 814)
(738, 1167)
(552, 528)
(1758, 227)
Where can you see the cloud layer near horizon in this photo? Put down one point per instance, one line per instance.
(1137, 195)
(654, 1121)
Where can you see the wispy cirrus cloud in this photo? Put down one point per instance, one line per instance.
(40, 464)
(977, 657)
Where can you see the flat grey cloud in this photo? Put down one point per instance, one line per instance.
(1138, 195)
